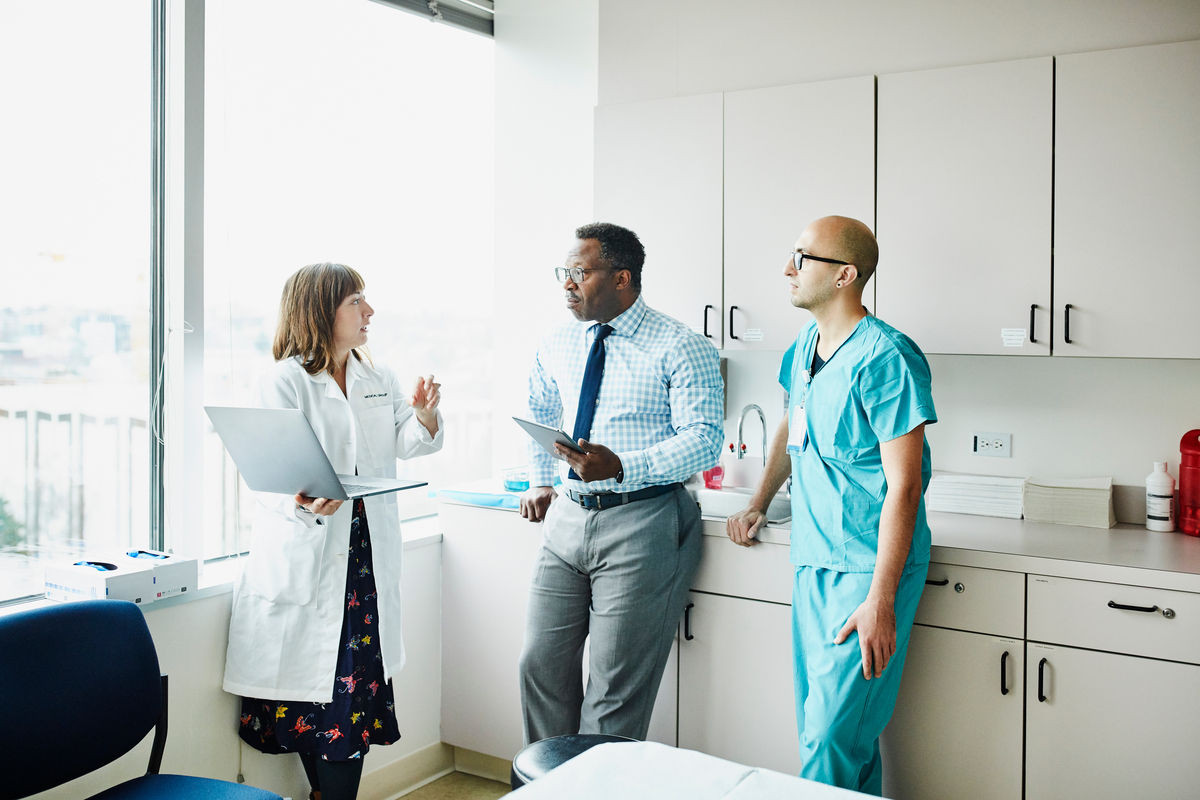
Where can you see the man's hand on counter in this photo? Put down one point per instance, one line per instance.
(534, 502)
(742, 527)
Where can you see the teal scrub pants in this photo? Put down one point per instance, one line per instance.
(839, 713)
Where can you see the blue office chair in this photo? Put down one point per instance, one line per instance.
(80, 687)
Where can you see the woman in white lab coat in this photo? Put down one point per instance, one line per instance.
(315, 636)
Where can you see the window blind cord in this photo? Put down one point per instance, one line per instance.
(156, 403)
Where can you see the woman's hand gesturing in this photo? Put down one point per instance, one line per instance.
(424, 401)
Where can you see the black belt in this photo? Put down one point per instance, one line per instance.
(603, 500)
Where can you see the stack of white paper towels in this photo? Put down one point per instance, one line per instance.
(986, 495)
(1070, 501)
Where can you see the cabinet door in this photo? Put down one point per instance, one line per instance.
(956, 731)
(487, 564)
(1111, 726)
(483, 630)
(736, 696)
(792, 154)
(1127, 197)
(658, 173)
(965, 168)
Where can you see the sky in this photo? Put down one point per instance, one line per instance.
(313, 148)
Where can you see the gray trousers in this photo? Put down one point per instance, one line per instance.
(621, 575)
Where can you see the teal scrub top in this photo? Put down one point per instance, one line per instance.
(874, 388)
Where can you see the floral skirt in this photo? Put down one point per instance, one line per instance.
(363, 709)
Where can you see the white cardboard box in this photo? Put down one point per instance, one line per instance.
(173, 574)
(100, 578)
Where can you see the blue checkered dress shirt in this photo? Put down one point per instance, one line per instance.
(660, 403)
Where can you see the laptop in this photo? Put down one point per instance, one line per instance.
(276, 450)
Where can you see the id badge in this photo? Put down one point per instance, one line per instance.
(797, 430)
(798, 424)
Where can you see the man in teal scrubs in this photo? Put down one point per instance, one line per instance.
(854, 444)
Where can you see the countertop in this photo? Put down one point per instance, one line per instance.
(1124, 554)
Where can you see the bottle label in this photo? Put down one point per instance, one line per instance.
(1158, 507)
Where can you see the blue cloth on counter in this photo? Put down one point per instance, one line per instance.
(483, 499)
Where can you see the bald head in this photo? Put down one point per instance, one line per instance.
(846, 239)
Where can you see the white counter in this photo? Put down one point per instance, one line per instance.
(1124, 554)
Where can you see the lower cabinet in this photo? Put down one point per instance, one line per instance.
(1046, 688)
(958, 726)
(1104, 725)
(487, 561)
(735, 681)
(1112, 700)
(957, 729)
(1015, 686)
(487, 564)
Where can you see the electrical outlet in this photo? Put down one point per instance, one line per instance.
(997, 445)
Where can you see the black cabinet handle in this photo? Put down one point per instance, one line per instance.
(1041, 681)
(732, 335)
(1004, 673)
(1032, 309)
(687, 622)
(942, 582)
(1067, 323)
(1122, 607)
(707, 308)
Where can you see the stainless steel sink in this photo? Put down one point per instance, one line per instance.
(732, 499)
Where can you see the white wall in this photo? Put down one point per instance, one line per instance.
(1067, 416)
(675, 47)
(545, 93)
(202, 739)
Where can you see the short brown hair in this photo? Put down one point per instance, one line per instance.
(310, 300)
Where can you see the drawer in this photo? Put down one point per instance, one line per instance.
(973, 599)
(1158, 623)
(761, 572)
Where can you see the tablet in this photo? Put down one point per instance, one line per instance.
(547, 436)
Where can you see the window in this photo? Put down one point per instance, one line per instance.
(333, 130)
(74, 269)
(356, 133)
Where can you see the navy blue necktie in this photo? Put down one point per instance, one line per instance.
(589, 392)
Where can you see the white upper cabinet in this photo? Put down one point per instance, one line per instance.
(1127, 202)
(964, 226)
(1033, 207)
(792, 154)
(658, 173)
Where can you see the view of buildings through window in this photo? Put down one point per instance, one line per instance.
(75, 303)
(334, 131)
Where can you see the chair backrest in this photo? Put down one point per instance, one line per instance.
(79, 687)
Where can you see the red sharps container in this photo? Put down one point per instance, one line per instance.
(1189, 483)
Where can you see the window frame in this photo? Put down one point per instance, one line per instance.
(176, 240)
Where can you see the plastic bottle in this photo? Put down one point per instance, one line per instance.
(714, 478)
(1189, 483)
(1160, 499)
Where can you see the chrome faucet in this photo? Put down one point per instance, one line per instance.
(741, 446)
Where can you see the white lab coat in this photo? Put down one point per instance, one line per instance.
(288, 603)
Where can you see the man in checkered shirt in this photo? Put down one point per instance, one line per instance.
(621, 543)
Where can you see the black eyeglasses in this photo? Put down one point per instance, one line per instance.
(576, 274)
(799, 256)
